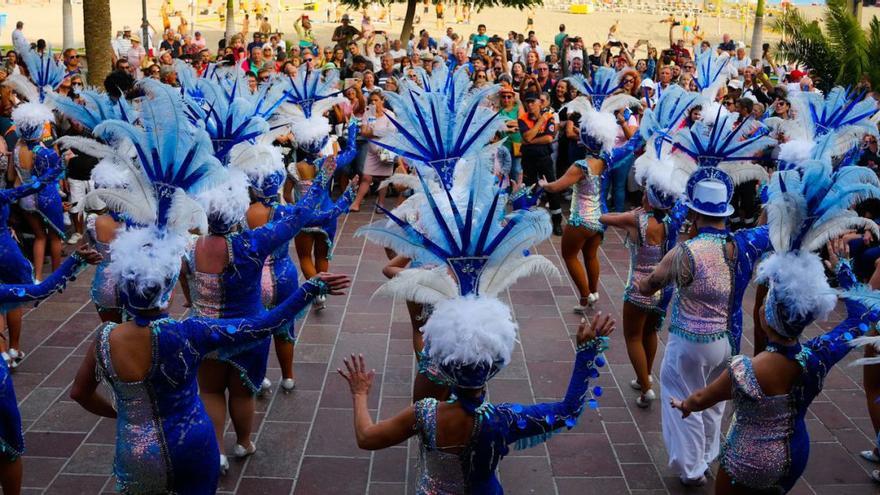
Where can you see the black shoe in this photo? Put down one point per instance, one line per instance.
(557, 224)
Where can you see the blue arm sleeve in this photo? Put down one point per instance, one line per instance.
(209, 334)
(12, 296)
(33, 186)
(617, 155)
(531, 425)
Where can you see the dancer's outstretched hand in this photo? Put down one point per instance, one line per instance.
(679, 404)
(359, 379)
(601, 326)
(336, 283)
(838, 249)
(88, 254)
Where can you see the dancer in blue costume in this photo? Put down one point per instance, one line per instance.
(589, 181)
(13, 295)
(476, 252)
(14, 267)
(223, 269)
(265, 172)
(43, 212)
(768, 445)
(711, 273)
(101, 221)
(165, 440)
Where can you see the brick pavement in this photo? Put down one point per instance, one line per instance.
(305, 439)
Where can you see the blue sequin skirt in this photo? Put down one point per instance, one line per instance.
(11, 439)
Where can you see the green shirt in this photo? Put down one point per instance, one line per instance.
(559, 39)
(512, 137)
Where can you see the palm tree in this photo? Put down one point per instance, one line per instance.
(230, 21)
(96, 27)
(758, 31)
(67, 23)
(840, 54)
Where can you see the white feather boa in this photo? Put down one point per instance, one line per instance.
(798, 281)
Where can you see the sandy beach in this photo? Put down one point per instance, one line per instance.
(44, 20)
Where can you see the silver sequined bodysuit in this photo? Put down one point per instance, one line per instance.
(643, 258)
(439, 473)
(103, 291)
(756, 452)
(586, 200)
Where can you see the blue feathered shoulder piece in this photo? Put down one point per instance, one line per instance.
(441, 122)
(45, 72)
(725, 144)
(463, 231)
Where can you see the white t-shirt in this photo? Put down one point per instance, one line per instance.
(447, 42)
(397, 54)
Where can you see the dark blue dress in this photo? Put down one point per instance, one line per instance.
(236, 291)
(280, 277)
(47, 202)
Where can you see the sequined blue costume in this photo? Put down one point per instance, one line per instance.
(165, 440)
(11, 296)
(236, 291)
(14, 267)
(103, 292)
(280, 277)
(768, 444)
(495, 428)
(47, 202)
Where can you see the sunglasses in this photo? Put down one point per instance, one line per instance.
(73, 57)
(628, 81)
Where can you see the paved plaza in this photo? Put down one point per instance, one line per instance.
(306, 441)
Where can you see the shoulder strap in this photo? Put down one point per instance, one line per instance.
(743, 377)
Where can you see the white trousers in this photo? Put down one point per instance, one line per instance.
(693, 442)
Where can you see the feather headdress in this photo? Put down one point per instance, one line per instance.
(602, 83)
(711, 74)
(30, 120)
(478, 251)
(441, 122)
(45, 72)
(659, 123)
(807, 206)
(308, 95)
(842, 114)
(96, 108)
(175, 160)
(725, 145)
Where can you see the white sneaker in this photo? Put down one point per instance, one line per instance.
(241, 452)
(870, 455)
(17, 356)
(644, 400)
(634, 383)
(288, 384)
(224, 465)
(593, 298)
(320, 302)
(265, 386)
(6, 357)
(74, 238)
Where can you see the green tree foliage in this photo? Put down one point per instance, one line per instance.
(840, 53)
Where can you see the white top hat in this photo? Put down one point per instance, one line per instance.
(709, 191)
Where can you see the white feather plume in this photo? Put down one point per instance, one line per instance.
(470, 331)
(145, 259)
(424, 286)
(23, 87)
(847, 220)
(228, 200)
(741, 172)
(497, 279)
(86, 145)
(258, 160)
(798, 280)
(796, 150)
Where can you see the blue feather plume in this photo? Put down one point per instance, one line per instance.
(723, 141)
(602, 83)
(43, 69)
